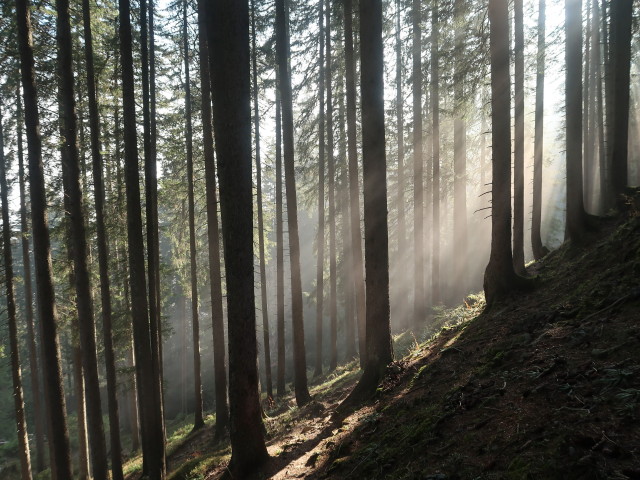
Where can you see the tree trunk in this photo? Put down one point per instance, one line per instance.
(263, 271)
(518, 155)
(103, 253)
(299, 356)
(84, 467)
(279, 249)
(621, 16)
(14, 348)
(198, 420)
(402, 223)
(54, 392)
(576, 217)
(435, 138)
(229, 42)
(354, 183)
(500, 277)
(147, 375)
(213, 233)
(347, 258)
(28, 294)
(379, 344)
(418, 173)
(333, 289)
(539, 250)
(321, 199)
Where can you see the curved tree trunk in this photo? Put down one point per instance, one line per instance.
(50, 346)
(213, 232)
(299, 356)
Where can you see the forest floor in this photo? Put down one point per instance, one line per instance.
(545, 385)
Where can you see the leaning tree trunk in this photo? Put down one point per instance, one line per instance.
(321, 199)
(50, 346)
(229, 42)
(213, 233)
(299, 356)
(14, 348)
(147, 381)
(198, 421)
(354, 184)
(103, 252)
(28, 295)
(263, 272)
(539, 250)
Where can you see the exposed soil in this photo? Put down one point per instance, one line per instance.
(546, 385)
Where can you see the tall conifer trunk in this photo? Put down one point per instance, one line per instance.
(518, 155)
(14, 348)
(103, 253)
(50, 346)
(213, 232)
(279, 250)
(299, 356)
(28, 294)
(435, 139)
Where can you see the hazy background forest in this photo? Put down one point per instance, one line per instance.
(463, 107)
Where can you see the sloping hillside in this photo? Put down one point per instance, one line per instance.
(546, 385)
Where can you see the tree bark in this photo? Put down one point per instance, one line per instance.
(418, 173)
(50, 346)
(28, 294)
(279, 249)
(331, 171)
(14, 348)
(147, 381)
(354, 183)
(213, 232)
(539, 250)
(575, 216)
(103, 252)
(263, 271)
(299, 356)
(621, 17)
(518, 155)
(229, 42)
(435, 138)
(402, 223)
(379, 345)
(321, 197)
(500, 277)
(198, 421)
